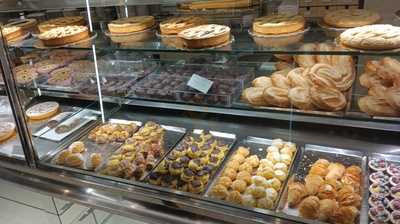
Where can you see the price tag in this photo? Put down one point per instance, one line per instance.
(200, 83)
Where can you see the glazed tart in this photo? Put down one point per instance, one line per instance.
(278, 24)
(64, 35)
(131, 24)
(378, 164)
(204, 36)
(175, 25)
(379, 177)
(7, 129)
(61, 22)
(379, 214)
(378, 200)
(395, 204)
(60, 77)
(393, 170)
(25, 74)
(42, 110)
(12, 32)
(377, 188)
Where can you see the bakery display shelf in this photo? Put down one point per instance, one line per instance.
(172, 136)
(384, 179)
(257, 146)
(311, 154)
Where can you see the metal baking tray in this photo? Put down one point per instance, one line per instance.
(225, 138)
(390, 159)
(172, 136)
(257, 146)
(92, 147)
(312, 153)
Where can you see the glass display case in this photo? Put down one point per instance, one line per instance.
(216, 111)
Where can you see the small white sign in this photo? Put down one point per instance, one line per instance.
(200, 83)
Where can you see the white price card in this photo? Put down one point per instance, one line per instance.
(200, 83)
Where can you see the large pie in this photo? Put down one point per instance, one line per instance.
(205, 36)
(61, 22)
(131, 24)
(64, 35)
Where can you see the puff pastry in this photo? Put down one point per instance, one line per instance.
(296, 192)
(262, 81)
(345, 215)
(335, 171)
(254, 95)
(313, 183)
(375, 106)
(280, 80)
(276, 96)
(329, 99)
(300, 98)
(297, 79)
(327, 209)
(324, 47)
(306, 60)
(393, 98)
(309, 207)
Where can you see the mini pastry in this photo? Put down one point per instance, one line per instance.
(275, 183)
(187, 175)
(327, 208)
(204, 36)
(62, 156)
(262, 82)
(258, 181)
(229, 173)
(395, 191)
(258, 192)
(309, 207)
(379, 213)
(184, 160)
(195, 165)
(175, 168)
(203, 176)
(225, 181)
(131, 24)
(265, 203)
(246, 167)
(277, 143)
(345, 214)
(95, 160)
(155, 178)
(271, 193)
(286, 159)
(217, 153)
(265, 163)
(395, 217)
(233, 164)
(219, 191)
(395, 180)
(213, 160)
(245, 176)
(194, 152)
(395, 204)
(296, 193)
(74, 160)
(239, 158)
(239, 185)
(253, 161)
(379, 177)
(335, 171)
(377, 188)
(64, 35)
(243, 151)
(313, 183)
(393, 170)
(77, 147)
(234, 197)
(280, 175)
(278, 24)
(378, 164)
(378, 200)
(196, 187)
(272, 149)
(166, 180)
(326, 191)
(274, 157)
(248, 201)
(353, 199)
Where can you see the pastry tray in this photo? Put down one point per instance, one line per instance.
(92, 147)
(225, 138)
(312, 153)
(172, 136)
(257, 146)
(390, 159)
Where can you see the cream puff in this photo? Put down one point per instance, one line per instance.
(187, 175)
(196, 186)
(219, 191)
(239, 185)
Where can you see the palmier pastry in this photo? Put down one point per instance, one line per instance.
(254, 95)
(278, 24)
(306, 60)
(205, 36)
(375, 106)
(377, 91)
(173, 26)
(309, 207)
(296, 78)
(369, 80)
(329, 99)
(327, 76)
(276, 96)
(348, 18)
(324, 47)
(296, 192)
(393, 97)
(281, 81)
(262, 81)
(344, 64)
(300, 98)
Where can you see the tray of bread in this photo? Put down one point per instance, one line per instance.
(192, 164)
(89, 151)
(384, 188)
(329, 186)
(141, 152)
(255, 174)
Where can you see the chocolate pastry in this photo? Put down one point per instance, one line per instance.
(155, 178)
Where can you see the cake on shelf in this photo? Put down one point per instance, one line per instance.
(64, 35)
(131, 24)
(61, 22)
(204, 36)
(175, 25)
(278, 24)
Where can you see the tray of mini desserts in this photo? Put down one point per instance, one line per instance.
(328, 185)
(255, 174)
(192, 164)
(141, 152)
(88, 152)
(384, 188)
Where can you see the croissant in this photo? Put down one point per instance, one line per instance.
(335, 171)
(345, 215)
(327, 208)
(352, 176)
(309, 207)
(326, 191)
(313, 183)
(296, 192)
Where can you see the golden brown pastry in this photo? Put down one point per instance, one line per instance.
(63, 155)
(327, 209)
(243, 151)
(276, 96)
(245, 176)
(320, 167)
(77, 147)
(234, 197)
(280, 80)
(326, 75)
(375, 106)
(349, 199)
(239, 185)
(297, 78)
(225, 181)
(371, 66)
(262, 81)
(335, 171)
(392, 97)
(300, 98)
(352, 175)
(326, 191)
(306, 60)
(329, 99)
(345, 215)
(313, 183)
(390, 68)
(309, 207)
(377, 91)
(254, 96)
(219, 191)
(281, 65)
(74, 160)
(324, 47)
(368, 80)
(95, 160)
(296, 192)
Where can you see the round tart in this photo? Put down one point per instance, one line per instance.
(393, 170)
(205, 36)
(377, 188)
(376, 200)
(48, 65)
(395, 191)
(25, 24)
(349, 18)
(395, 217)
(12, 32)
(61, 22)
(394, 180)
(379, 177)
(278, 24)
(60, 77)
(175, 25)
(378, 164)
(42, 110)
(131, 24)
(64, 35)
(372, 37)
(379, 213)
(395, 204)
(25, 74)
(7, 129)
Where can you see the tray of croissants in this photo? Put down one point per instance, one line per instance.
(312, 84)
(327, 186)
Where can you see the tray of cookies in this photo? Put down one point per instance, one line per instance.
(255, 174)
(142, 152)
(384, 188)
(328, 186)
(88, 152)
(192, 164)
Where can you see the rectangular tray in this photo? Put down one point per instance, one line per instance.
(225, 138)
(104, 149)
(390, 159)
(172, 136)
(312, 153)
(257, 146)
